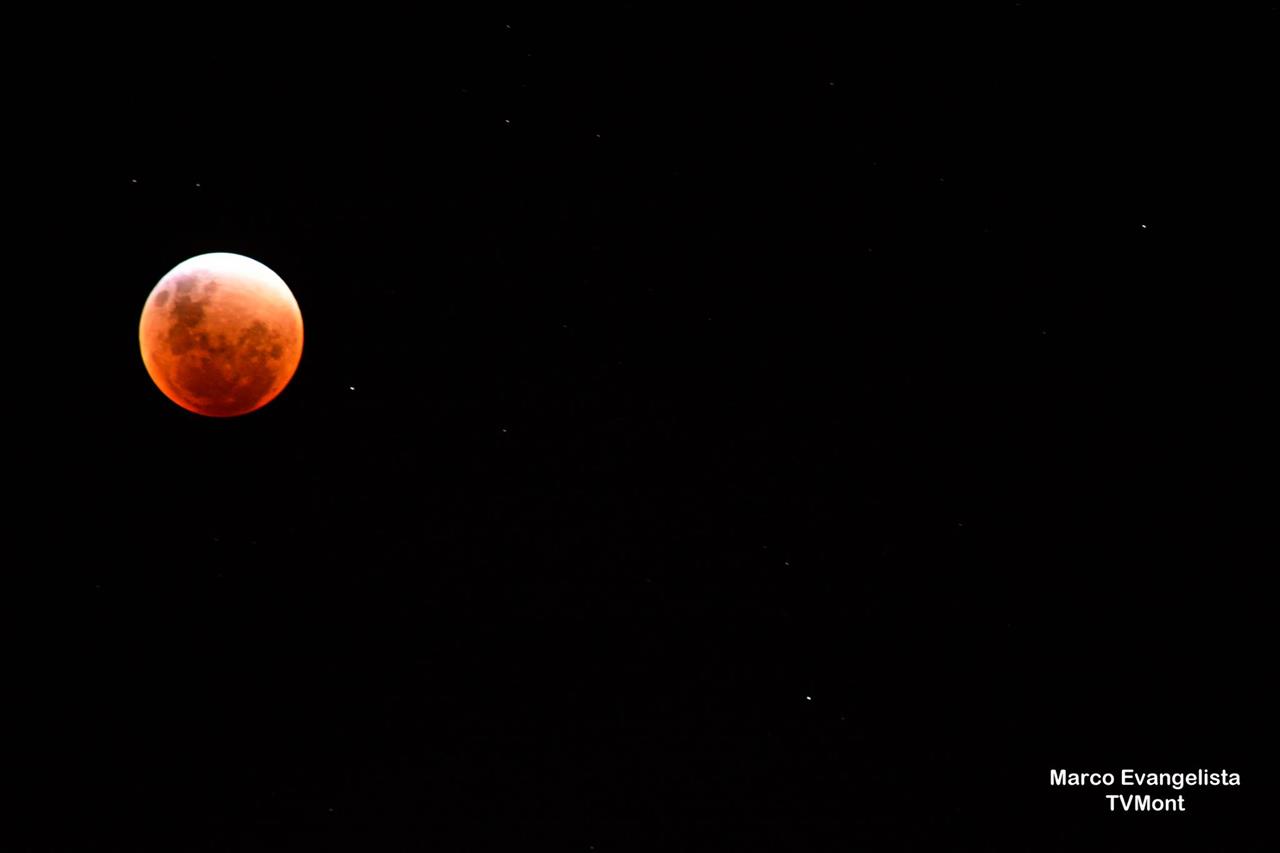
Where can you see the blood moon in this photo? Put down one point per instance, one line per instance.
(221, 334)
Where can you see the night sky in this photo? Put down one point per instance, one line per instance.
(794, 430)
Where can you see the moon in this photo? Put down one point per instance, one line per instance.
(221, 334)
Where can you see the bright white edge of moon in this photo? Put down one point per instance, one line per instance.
(228, 267)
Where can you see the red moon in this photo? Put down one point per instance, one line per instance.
(221, 335)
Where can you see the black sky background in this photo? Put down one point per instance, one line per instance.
(794, 430)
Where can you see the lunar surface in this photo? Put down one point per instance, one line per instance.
(221, 334)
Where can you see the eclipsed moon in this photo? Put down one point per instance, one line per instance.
(221, 334)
